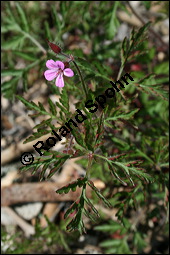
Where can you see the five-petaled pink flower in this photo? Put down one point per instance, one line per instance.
(57, 69)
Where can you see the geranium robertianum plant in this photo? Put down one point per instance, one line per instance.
(94, 138)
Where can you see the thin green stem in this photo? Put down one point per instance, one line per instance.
(100, 156)
(120, 72)
(89, 165)
(82, 80)
(81, 77)
(64, 55)
(118, 77)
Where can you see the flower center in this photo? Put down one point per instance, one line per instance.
(59, 71)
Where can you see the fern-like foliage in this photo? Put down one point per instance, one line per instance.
(78, 207)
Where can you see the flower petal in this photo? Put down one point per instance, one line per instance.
(50, 74)
(59, 64)
(59, 81)
(51, 64)
(68, 72)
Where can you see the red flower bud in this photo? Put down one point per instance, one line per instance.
(54, 47)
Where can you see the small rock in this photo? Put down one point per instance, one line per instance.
(29, 211)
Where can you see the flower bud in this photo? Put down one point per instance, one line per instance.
(54, 47)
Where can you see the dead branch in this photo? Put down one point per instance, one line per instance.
(34, 192)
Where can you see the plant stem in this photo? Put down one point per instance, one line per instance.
(81, 77)
(89, 165)
(118, 77)
(64, 55)
(100, 156)
(120, 72)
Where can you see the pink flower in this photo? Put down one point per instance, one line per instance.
(57, 69)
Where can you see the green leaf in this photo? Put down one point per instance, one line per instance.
(44, 123)
(64, 99)
(111, 227)
(125, 116)
(91, 184)
(42, 173)
(8, 88)
(148, 85)
(100, 129)
(77, 221)
(31, 105)
(129, 47)
(22, 17)
(126, 169)
(91, 206)
(89, 215)
(47, 30)
(71, 209)
(114, 172)
(162, 68)
(41, 107)
(36, 135)
(11, 26)
(139, 242)
(135, 171)
(113, 21)
(11, 15)
(27, 56)
(61, 107)
(36, 164)
(39, 162)
(147, 4)
(140, 173)
(142, 154)
(90, 134)
(52, 107)
(58, 165)
(79, 137)
(12, 72)
(57, 21)
(142, 30)
(80, 182)
(85, 64)
(14, 43)
(124, 48)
